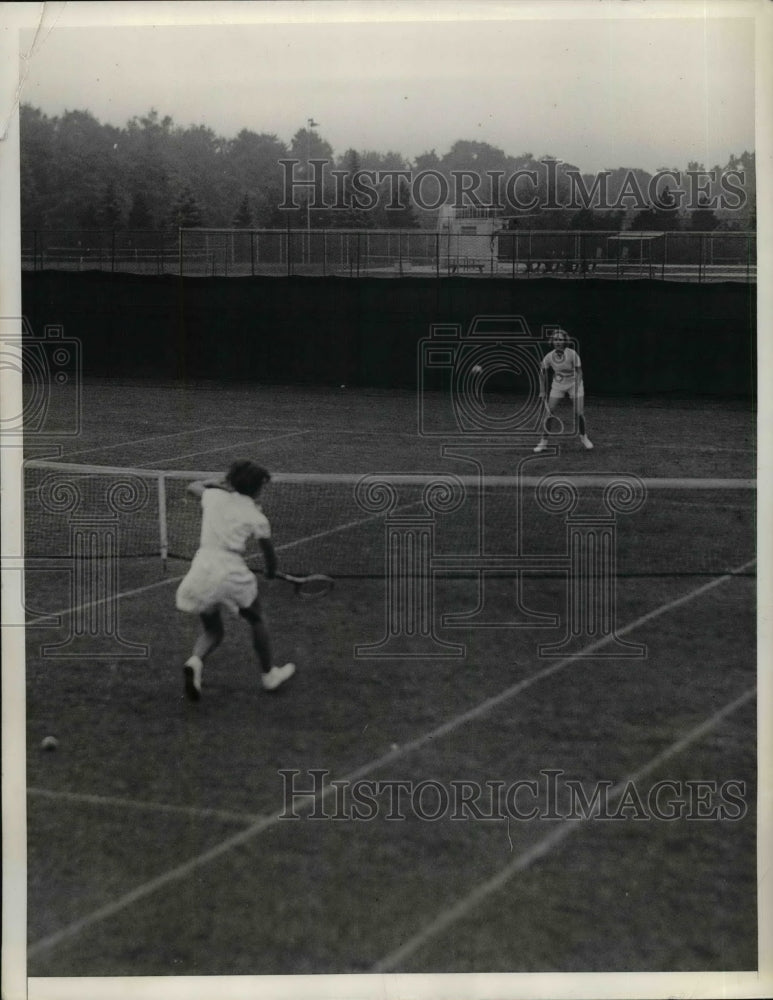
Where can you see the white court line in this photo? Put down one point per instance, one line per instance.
(154, 437)
(184, 870)
(234, 444)
(107, 800)
(448, 917)
(700, 447)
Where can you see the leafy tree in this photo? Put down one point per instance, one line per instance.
(77, 172)
(140, 216)
(703, 219)
(243, 216)
(305, 146)
(661, 216)
(404, 217)
(186, 212)
(111, 209)
(252, 166)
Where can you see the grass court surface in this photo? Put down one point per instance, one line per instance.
(155, 833)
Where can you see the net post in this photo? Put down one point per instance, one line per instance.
(163, 537)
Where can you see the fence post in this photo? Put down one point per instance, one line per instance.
(665, 257)
(700, 258)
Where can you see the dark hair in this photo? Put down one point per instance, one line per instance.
(247, 477)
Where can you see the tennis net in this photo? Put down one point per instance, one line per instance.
(415, 524)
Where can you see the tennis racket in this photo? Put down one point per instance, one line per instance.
(552, 424)
(310, 586)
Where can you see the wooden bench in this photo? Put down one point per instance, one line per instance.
(466, 265)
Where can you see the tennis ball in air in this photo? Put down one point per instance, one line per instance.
(49, 743)
(476, 369)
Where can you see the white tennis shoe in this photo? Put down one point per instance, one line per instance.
(542, 446)
(586, 442)
(277, 676)
(192, 674)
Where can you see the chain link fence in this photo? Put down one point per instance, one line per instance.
(357, 253)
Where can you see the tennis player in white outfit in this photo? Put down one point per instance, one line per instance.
(564, 362)
(220, 578)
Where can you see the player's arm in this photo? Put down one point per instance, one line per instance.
(578, 371)
(269, 557)
(544, 377)
(197, 488)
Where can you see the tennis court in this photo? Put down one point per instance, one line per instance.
(226, 838)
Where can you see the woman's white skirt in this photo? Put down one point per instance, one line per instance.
(216, 578)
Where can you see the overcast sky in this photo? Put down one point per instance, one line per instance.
(621, 90)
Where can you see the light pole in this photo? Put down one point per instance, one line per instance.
(312, 124)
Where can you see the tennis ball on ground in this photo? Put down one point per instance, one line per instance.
(49, 743)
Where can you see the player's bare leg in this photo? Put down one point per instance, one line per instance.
(581, 426)
(551, 409)
(210, 637)
(261, 643)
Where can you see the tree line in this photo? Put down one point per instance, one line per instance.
(152, 174)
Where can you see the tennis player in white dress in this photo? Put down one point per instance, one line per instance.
(565, 364)
(219, 577)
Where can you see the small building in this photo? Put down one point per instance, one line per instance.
(468, 235)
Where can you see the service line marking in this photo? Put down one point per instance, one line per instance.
(183, 870)
(154, 437)
(451, 915)
(109, 800)
(231, 445)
